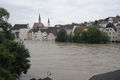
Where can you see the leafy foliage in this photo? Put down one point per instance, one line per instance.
(92, 35)
(77, 35)
(61, 35)
(70, 37)
(14, 57)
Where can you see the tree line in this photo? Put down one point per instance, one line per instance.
(91, 35)
(14, 57)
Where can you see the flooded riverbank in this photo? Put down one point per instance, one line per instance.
(71, 61)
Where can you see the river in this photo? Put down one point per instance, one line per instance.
(71, 61)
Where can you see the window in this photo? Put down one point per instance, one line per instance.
(107, 30)
(109, 33)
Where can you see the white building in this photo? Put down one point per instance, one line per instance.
(103, 24)
(37, 35)
(50, 36)
(29, 35)
(69, 28)
(23, 35)
(45, 36)
(118, 32)
(17, 27)
(111, 30)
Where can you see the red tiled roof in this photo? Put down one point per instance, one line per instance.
(36, 25)
(76, 29)
(103, 22)
(116, 20)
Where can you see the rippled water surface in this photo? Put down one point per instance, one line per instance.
(71, 61)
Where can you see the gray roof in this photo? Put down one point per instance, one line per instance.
(114, 75)
(111, 25)
(19, 26)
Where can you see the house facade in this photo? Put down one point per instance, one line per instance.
(23, 34)
(37, 35)
(118, 32)
(17, 28)
(112, 34)
(112, 28)
(41, 32)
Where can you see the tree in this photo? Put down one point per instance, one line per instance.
(84, 37)
(95, 22)
(78, 34)
(104, 37)
(93, 34)
(6, 59)
(117, 16)
(14, 57)
(70, 37)
(21, 62)
(61, 36)
(4, 14)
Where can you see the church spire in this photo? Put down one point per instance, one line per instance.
(48, 22)
(39, 19)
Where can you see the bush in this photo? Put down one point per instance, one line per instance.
(70, 37)
(61, 36)
(94, 34)
(78, 35)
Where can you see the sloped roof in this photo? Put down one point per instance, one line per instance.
(52, 30)
(114, 75)
(36, 25)
(103, 22)
(19, 26)
(116, 20)
(66, 26)
(111, 25)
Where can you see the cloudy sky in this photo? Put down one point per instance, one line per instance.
(59, 11)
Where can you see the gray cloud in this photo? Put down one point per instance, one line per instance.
(59, 11)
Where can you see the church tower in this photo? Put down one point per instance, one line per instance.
(48, 22)
(39, 20)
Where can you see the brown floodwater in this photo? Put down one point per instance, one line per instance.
(71, 61)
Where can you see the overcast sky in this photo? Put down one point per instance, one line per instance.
(59, 11)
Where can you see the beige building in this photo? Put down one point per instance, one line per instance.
(118, 32)
(23, 35)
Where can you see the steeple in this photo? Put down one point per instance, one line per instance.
(39, 19)
(48, 22)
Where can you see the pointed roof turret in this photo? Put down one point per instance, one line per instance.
(48, 22)
(39, 19)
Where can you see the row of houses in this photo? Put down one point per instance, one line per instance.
(112, 27)
(38, 31)
(109, 25)
(24, 32)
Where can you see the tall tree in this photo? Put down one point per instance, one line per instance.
(78, 34)
(61, 35)
(94, 34)
(14, 57)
